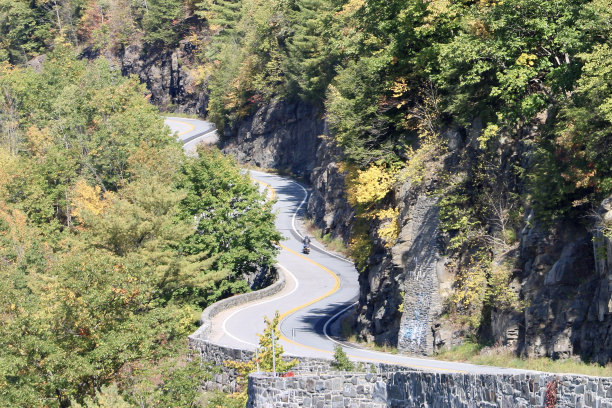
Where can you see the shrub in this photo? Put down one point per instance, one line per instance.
(341, 361)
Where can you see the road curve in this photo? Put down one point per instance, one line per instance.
(191, 132)
(320, 286)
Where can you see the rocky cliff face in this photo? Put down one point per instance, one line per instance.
(400, 290)
(403, 287)
(282, 135)
(167, 76)
(562, 275)
(327, 204)
(418, 254)
(567, 283)
(292, 136)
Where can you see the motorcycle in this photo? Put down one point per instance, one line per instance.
(306, 249)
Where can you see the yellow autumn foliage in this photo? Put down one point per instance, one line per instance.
(386, 214)
(416, 165)
(89, 199)
(470, 293)
(17, 230)
(352, 7)
(9, 168)
(399, 88)
(489, 133)
(435, 10)
(366, 187)
(500, 292)
(389, 230)
(526, 60)
(202, 73)
(491, 3)
(38, 140)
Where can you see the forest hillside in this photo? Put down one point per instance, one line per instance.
(459, 148)
(112, 241)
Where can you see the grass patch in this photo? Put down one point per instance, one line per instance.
(384, 348)
(505, 357)
(333, 244)
(463, 352)
(471, 352)
(182, 115)
(346, 329)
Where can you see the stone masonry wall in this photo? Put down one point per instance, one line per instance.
(416, 252)
(420, 389)
(225, 380)
(211, 311)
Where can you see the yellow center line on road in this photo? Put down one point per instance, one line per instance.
(328, 294)
(191, 127)
(331, 292)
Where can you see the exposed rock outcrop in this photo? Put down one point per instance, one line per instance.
(281, 135)
(567, 283)
(380, 300)
(418, 254)
(327, 204)
(167, 75)
(292, 136)
(400, 290)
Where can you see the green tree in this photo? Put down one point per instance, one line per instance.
(222, 15)
(23, 33)
(341, 361)
(246, 56)
(104, 268)
(311, 52)
(233, 220)
(163, 23)
(353, 111)
(270, 350)
(78, 120)
(574, 165)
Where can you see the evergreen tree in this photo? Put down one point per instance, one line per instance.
(22, 32)
(162, 22)
(222, 15)
(312, 57)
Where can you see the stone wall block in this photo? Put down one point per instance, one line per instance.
(397, 389)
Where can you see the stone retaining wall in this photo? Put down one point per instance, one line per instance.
(211, 311)
(422, 389)
(201, 346)
(225, 379)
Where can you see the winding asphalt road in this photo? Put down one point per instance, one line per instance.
(192, 132)
(320, 286)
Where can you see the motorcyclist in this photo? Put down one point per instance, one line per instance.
(306, 244)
